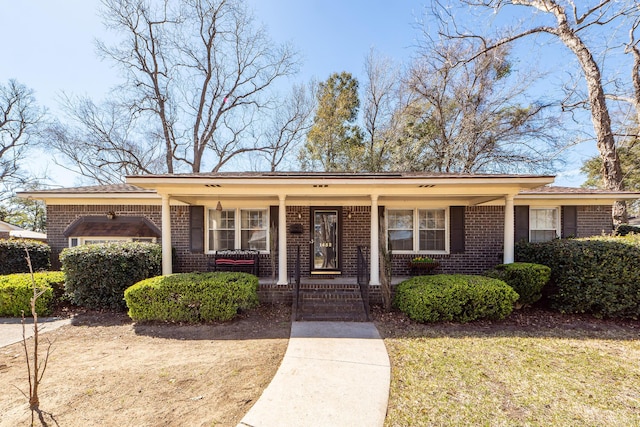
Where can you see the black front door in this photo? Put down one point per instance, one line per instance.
(325, 240)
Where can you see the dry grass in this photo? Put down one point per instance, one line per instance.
(107, 371)
(533, 369)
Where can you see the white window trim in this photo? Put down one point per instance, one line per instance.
(238, 226)
(558, 224)
(416, 230)
(83, 239)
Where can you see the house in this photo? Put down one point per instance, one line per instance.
(321, 224)
(13, 231)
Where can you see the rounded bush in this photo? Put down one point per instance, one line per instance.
(598, 275)
(97, 275)
(16, 291)
(192, 297)
(460, 298)
(13, 256)
(525, 278)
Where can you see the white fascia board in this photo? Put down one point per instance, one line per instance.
(154, 181)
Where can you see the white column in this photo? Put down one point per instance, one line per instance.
(166, 235)
(509, 229)
(282, 241)
(375, 243)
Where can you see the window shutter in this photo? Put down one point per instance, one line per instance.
(569, 221)
(382, 227)
(196, 228)
(456, 229)
(274, 220)
(522, 223)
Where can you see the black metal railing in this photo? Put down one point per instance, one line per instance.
(363, 279)
(296, 282)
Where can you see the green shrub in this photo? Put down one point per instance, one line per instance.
(525, 278)
(457, 297)
(12, 256)
(598, 275)
(16, 291)
(624, 229)
(192, 297)
(97, 275)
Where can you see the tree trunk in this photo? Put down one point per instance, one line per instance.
(611, 172)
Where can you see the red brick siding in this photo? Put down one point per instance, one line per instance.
(483, 236)
(594, 220)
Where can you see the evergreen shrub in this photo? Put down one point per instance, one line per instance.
(16, 291)
(596, 275)
(13, 256)
(527, 279)
(454, 297)
(192, 297)
(97, 275)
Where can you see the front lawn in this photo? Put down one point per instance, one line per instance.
(533, 369)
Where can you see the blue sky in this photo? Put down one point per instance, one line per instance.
(51, 47)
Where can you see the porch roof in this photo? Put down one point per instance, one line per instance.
(338, 187)
(331, 187)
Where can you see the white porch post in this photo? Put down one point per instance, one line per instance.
(375, 242)
(282, 241)
(509, 231)
(166, 235)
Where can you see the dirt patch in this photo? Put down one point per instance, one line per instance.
(108, 371)
(525, 322)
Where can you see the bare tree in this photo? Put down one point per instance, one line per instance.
(469, 116)
(104, 142)
(382, 102)
(19, 120)
(200, 69)
(287, 126)
(572, 20)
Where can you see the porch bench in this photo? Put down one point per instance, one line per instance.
(244, 260)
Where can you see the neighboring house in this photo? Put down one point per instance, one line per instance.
(468, 223)
(13, 231)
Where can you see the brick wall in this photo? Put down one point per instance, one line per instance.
(594, 220)
(483, 236)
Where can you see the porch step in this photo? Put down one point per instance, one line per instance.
(342, 303)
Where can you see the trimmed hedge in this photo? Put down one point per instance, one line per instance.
(525, 278)
(16, 291)
(192, 297)
(13, 256)
(97, 275)
(454, 297)
(624, 229)
(598, 275)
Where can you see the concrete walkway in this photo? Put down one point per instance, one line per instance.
(11, 328)
(332, 374)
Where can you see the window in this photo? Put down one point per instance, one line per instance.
(401, 230)
(250, 232)
(222, 229)
(431, 226)
(543, 224)
(254, 230)
(92, 240)
(432, 230)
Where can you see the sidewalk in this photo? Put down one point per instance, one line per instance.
(332, 374)
(11, 328)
